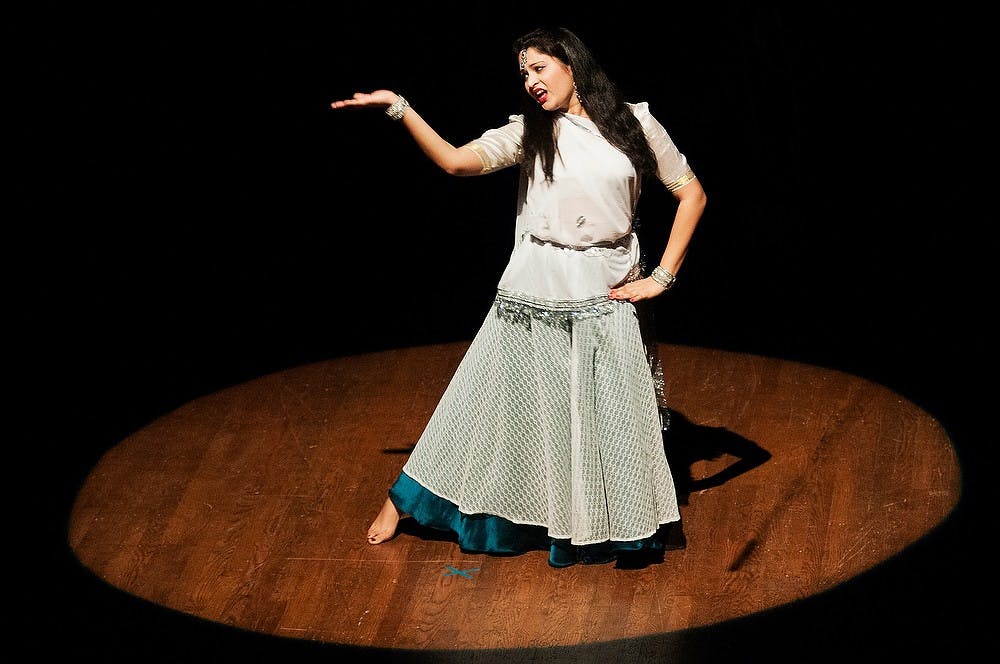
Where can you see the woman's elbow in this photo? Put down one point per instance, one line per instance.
(453, 168)
(693, 197)
(701, 199)
(461, 162)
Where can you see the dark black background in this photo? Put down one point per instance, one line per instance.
(189, 214)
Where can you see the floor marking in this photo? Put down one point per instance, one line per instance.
(460, 572)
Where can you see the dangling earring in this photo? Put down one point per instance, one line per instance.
(577, 93)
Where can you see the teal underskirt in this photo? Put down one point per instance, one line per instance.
(486, 533)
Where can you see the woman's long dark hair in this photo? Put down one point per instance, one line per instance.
(601, 99)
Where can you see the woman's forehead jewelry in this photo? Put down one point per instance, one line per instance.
(523, 56)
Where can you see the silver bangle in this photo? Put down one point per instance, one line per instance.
(662, 277)
(398, 108)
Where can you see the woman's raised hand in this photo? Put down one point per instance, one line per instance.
(360, 99)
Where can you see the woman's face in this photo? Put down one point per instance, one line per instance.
(548, 80)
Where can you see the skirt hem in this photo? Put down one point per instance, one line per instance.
(496, 535)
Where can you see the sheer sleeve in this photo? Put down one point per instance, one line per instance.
(671, 165)
(501, 147)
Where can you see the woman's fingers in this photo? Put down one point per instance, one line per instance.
(359, 99)
(634, 291)
(375, 98)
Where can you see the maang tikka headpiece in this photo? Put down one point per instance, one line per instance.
(523, 57)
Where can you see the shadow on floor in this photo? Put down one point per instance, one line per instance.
(686, 443)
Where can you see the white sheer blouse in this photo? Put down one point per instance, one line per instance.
(593, 196)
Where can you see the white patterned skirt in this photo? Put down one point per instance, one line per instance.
(551, 419)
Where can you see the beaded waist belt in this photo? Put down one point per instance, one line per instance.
(623, 241)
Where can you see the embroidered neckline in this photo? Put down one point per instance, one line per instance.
(583, 123)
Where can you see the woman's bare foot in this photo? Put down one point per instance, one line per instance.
(384, 526)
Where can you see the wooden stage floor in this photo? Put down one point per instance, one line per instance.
(249, 507)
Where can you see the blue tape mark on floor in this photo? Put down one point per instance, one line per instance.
(459, 572)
